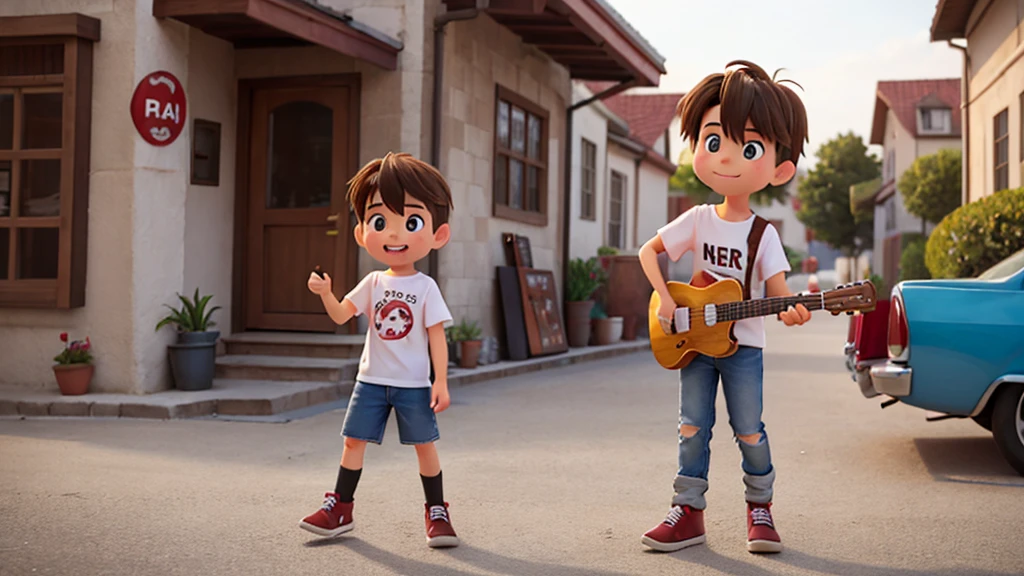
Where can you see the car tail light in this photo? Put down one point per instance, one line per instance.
(898, 331)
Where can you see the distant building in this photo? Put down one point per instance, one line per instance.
(621, 169)
(912, 118)
(993, 78)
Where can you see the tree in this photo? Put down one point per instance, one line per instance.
(825, 194)
(931, 187)
(686, 180)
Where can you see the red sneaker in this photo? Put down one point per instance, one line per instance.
(684, 526)
(440, 533)
(761, 534)
(332, 519)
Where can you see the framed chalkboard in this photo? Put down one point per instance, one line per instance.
(517, 250)
(544, 327)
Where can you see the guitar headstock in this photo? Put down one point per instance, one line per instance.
(854, 297)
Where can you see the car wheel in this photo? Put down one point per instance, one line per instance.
(1008, 425)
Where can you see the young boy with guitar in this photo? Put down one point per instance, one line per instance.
(747, 132)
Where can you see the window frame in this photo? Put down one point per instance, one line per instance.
(997, 141)
(76, 33)
(503, 210)
(619, 242)
(1020, 118)
(588, 196)
(927, 113)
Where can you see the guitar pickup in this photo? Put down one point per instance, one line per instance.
(682, 320)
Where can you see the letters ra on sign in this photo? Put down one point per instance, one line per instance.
(159, 108)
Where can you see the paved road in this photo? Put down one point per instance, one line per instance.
(554, 473)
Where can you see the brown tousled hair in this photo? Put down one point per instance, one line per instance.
(748, 93)
(394, 175)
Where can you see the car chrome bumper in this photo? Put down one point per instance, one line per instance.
(891, 379)
(862, 376)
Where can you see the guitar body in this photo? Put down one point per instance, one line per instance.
(675, 351)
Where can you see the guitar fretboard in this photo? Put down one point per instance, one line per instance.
(733, 311)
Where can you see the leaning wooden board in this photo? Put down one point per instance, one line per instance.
(544, 326)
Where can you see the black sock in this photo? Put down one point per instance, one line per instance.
(347, 481)
(433, 489)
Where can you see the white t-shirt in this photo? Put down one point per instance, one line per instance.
(720, 247)
(401, 308)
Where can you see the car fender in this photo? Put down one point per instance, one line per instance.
(990, 392)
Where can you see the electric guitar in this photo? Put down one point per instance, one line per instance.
(704, 316)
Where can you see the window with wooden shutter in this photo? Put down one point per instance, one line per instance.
(45, 115)
(588, 180)
(520, 159)
(1002, 151)
(617, 210)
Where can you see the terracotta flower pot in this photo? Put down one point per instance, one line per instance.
(607, 330)
(73, 379)
(469, 353)
(578, 322)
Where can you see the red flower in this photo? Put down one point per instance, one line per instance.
(63, 336)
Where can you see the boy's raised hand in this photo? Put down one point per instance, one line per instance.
(318, 285)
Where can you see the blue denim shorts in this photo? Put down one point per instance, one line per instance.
(371, 404)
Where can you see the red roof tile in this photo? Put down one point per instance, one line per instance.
(903, 97)
(648, 115)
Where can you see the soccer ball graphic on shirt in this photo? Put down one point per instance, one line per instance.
(394, 320)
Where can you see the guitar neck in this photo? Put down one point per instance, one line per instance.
(733, 311)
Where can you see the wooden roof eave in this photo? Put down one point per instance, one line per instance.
(295, 19)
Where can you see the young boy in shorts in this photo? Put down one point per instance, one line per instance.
(747, 132)
(402, 207)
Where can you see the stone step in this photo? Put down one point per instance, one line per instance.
(294, 344)
(227, 397)
(286, 368)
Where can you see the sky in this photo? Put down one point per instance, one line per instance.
(837, 50)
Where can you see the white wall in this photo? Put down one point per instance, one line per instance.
(209, 210)
(653, 202)
(588, 122)
(623, 161)
(996, 82)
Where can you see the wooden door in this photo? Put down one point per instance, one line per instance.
(298, 218)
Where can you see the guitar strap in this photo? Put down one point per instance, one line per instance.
(753, 242)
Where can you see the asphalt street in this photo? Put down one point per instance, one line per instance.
(557, 472)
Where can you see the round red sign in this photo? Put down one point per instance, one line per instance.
(158, 108)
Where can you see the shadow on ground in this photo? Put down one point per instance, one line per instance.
(783, 563)
(806, 561)
(970, 460)
(476, 557)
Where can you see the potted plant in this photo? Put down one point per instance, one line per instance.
(194, 356)
(467, 334)
(73, 368)
(585, 277)
(607, 330)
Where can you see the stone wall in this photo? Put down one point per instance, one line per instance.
(479, 55)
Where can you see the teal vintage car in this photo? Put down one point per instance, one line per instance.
(957, 347)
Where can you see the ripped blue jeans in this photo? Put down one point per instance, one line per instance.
(742, 376)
